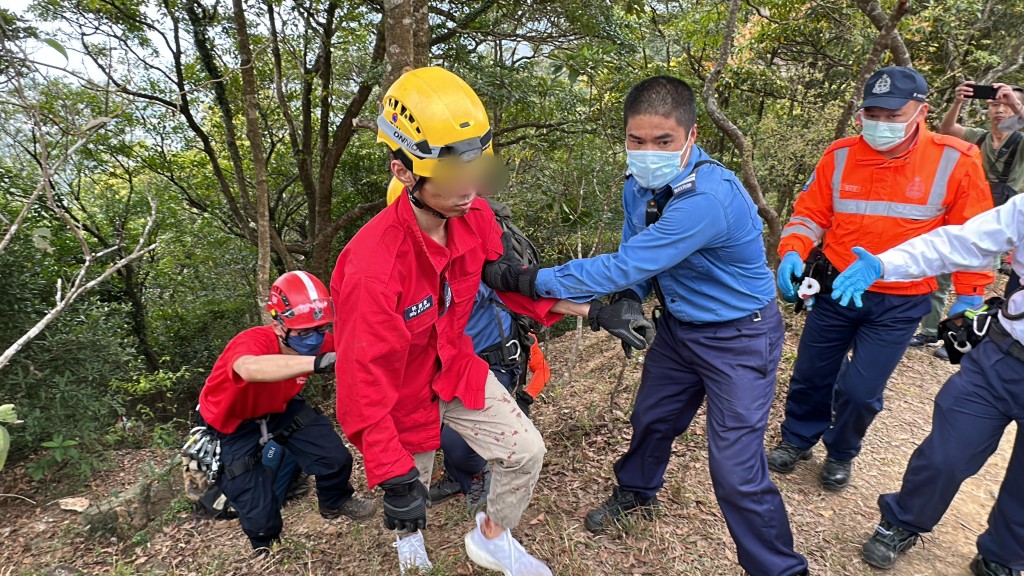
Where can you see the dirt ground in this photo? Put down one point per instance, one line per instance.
(585, 432)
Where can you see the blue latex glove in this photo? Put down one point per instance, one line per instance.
(965, 302)
(856, 279)
(792, 265)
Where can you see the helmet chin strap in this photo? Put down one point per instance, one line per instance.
(419, 203)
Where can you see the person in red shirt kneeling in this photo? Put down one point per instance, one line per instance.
(252, 397)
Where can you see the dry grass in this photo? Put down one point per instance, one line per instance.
(585, 433)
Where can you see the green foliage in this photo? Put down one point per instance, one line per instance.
(126, 363)
(60, 453)
(150, 396)
(7, 416)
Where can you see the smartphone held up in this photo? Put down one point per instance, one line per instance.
(983, 92)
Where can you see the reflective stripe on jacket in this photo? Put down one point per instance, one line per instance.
(857, 197)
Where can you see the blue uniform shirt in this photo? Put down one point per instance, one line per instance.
(706, 250)
(482, 327)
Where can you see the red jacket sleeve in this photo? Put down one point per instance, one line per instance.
(373, 344)
(971, 197)
(539, 310)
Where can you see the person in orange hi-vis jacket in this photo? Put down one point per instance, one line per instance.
(893, 182)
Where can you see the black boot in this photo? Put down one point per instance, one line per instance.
(835, 475)
(886, 544)
(784, 457)
(619, 504)
(982, 567)
(446, 487)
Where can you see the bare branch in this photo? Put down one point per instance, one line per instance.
(736, 136)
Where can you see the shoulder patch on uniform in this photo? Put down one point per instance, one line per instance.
(687, 184)
(808, 184)
(419, 308)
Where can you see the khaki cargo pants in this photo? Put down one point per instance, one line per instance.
(501, 434)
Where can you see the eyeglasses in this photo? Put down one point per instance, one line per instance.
(309, 331)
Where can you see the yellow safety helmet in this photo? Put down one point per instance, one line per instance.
(395, 189)
(430, 114)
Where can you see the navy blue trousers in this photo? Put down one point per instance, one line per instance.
(971, 413)
(733, 365)
(282, 467)
(316, 447)
(839, 405)
(460, 461)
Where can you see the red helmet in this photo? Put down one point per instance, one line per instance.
(300, 300)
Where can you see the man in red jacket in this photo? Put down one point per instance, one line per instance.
(408, 280)
(251, 397)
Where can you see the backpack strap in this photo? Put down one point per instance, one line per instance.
(981, 139)
(655, 208)
(1009, 151)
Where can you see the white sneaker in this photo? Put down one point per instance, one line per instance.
(504, 554)
(412, 553)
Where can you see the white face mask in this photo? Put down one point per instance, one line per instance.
(884, 136)
(1011, 124)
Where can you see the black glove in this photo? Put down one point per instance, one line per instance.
(507, 274)
(324, 362)
(405, 502)
(625, 320)
(628, 294)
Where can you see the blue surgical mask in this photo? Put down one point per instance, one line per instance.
(654, 169)
(884, 136)
(306, 345)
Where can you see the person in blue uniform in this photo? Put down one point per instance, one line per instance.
(693, 236)
(973, 408)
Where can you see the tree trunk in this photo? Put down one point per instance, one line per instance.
(886, 39)
(133, 292)
(255, 137)
(421, 34)
(738, 139)
(399, 32)
(892, 39)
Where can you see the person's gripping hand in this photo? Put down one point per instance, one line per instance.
(625, 320)
(792, 266)
(965, 302)
(324, 362)
(857, 278)
(405, 502)
(507, 274)
(648, 336)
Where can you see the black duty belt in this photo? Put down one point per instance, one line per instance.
(1000, 336)
(505, 354)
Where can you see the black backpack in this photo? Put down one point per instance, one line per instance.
(1001, 191)
(529, 256)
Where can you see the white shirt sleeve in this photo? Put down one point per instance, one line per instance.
(968, 246)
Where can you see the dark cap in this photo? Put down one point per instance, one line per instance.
(893, 86)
